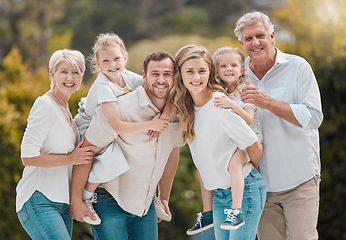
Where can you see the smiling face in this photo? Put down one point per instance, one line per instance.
(111, 61)
(67, 79)
(257, 42)
(230, 68)
(195, 75)
(159, 78)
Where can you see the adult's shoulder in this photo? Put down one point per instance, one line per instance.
(132, 79)
(295, 59)
(218, 94)
(44, 107)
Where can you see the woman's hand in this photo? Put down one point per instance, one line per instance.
(79, 209)
(82, 155)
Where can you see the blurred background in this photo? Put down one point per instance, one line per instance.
(31, 30)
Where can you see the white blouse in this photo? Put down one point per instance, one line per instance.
(47, 132)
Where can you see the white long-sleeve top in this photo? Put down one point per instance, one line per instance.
(47, 132)
(291, 153)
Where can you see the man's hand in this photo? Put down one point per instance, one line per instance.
(254, 95)
(165, 205)
(78, 210)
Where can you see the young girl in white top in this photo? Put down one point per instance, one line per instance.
(110, 57)
(49, 151)
(229, 63)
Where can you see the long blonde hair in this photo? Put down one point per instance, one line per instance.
(183, 105)
(242, 78)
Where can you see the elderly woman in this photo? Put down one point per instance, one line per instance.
(213, 135)
(49, 151)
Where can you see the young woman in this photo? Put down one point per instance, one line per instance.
(213, 135)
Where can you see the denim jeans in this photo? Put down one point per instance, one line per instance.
(252, 206)
(43, 219)
(117, 224)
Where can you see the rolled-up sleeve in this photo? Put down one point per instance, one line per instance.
(308, 110)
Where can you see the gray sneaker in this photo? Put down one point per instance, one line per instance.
(203, 223)
(234, 219)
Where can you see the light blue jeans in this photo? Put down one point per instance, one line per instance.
(252, 206)
(117, 224)
(43, 219)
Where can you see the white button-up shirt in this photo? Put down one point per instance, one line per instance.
(134, 189)
(291, 153)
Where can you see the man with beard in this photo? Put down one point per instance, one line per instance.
(125, 204)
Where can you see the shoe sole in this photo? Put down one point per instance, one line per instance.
(230, 227)
(89, 221)
(163, 217)
(193, 232)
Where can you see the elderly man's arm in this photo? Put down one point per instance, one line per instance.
(253, 94)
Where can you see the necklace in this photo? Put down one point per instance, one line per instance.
(65, 111)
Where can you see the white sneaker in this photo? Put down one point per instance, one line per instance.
(89, 204)
(160, 210)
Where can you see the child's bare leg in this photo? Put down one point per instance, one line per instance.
(237, 180)
(207, 196)
(89, 188)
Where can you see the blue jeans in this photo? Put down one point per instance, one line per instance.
(43, 219)
(252, 206)
(117, 224)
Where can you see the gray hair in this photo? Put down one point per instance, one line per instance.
(251, 18)
(73, 57)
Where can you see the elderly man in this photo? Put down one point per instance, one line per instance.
(125, 204)
(284, 89)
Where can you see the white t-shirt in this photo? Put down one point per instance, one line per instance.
(218, 133)
(103, 90)
(47, 132)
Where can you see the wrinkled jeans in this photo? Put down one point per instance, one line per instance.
(254, 198)
(43, 219)
(117, 224)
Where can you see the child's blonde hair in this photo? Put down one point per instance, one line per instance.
(103, 41)
(216, 56)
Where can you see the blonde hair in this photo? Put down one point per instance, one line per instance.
(73, 57)
(219, 53)
(103, 41)
(183, 105)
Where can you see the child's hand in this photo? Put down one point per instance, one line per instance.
(159, 124)
(182, 126)
(224, 102)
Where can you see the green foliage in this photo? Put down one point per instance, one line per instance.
(31, 30)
